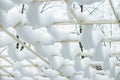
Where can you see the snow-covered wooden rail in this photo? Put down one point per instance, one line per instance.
(87, 22)
(22, 43)
(104, 40)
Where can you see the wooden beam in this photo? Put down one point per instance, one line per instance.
(86, 22)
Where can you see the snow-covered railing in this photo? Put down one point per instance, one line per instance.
(22, 43)
(86, 22)
(57, 62)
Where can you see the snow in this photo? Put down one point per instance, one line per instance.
(113, 62)
(37, 19)
(17, 75)
(6, 78)
(25, 33)
(22, 1)
(85, 62)
(106, 64)
(56, 62)
(26, 54)
(46, 50)
(81, 16)
(87, 2)
(27, 72)
(75, 50)
(113, 37)
(26, 78)
(65, 59)
(58, 33)
(112, 73)
(6, 4)
(101, 53)
(60, 78)
(18, 66)
(87, 73)
(77, 63)
(51, 73)
(67, 70)
(81, 2)
(89, 38)
(5, 40)
(9, 19)
(12, 52)
(66, 50)
(102, 77)
(76, 77)
(84, 2)
(117, 77)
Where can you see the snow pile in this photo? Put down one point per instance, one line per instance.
(5, 40)
(6, 4)
(89, 38)
(9, 19)
(25, 33)
(37, 19)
